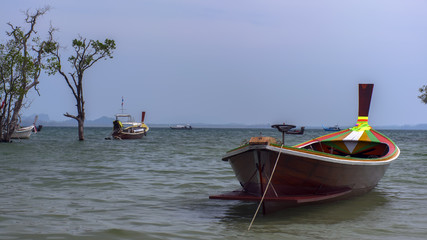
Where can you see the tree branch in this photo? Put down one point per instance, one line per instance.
(71, 116)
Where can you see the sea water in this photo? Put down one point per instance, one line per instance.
(53, 186)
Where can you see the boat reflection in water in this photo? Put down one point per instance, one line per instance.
(335, 166)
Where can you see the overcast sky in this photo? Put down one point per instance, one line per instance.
(240, 61)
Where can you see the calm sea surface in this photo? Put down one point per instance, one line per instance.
(54, 187)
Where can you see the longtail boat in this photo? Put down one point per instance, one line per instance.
(25, 132)
(125, 127)
(22, 132)
(335, 166)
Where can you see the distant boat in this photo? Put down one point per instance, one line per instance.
(125, 127)
(331, 167)
(331, 129)
(288, 129)
(23, 132)
(182, 127)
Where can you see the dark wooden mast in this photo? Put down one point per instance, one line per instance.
(365, 94)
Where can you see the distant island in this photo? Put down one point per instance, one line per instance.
(43, 119)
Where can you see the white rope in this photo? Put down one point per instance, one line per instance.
(266, 188)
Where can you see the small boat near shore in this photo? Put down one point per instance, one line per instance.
(125, 127)
(181, 127)
(335, 166)
(23, 132)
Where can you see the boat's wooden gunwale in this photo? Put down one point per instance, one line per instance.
(128, 135)
(314, 154)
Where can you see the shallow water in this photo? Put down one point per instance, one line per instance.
(55, 187)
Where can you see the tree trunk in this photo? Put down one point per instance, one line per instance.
(7, 134)
(81, 129)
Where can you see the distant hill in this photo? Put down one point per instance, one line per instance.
(405, 127)
(100, 122)
(44, 120)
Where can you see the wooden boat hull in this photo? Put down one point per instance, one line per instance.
(127, 135)
(23, 133)
(302, 176)
(303, 173)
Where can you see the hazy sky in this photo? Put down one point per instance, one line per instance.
(241, 61)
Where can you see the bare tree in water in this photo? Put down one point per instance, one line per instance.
(86, 54)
